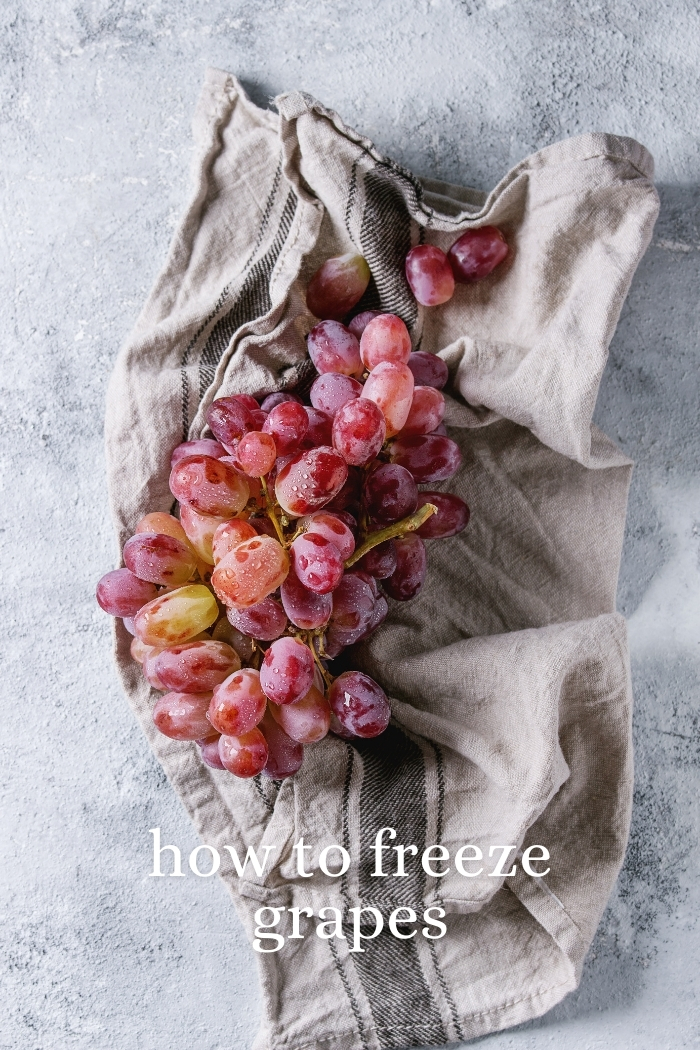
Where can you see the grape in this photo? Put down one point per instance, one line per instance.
(385, 338)
(195, 667)
(244, 756)
(310, 480)
(427, 410)
(337, 286)
(258, 417)
(200, 530)
(317, 562)
(390, 493)
(390, 386)
(149, 671)
(204, 447)
(359, 704)
(183, 716)
(209, 750)
(264, 621)
(429, 274)
(379, 615)
(159, 559)
(408, 577)
(209, 485)
(287, 671)
(278, 398)
(452, 515)
(228, 535)
(338, 730)
(428, 369)
(285, 755)
(441, 429)
(139, 651)
(331, 391)
(349, 495)
(333, 528)
(257, 451)
(229, 420)
(333, 348)
(225, 632)
(346, 517)
(476, 253)
(238, 703)
(177, 616)
(264, 527)
(308, 720)
(128, 622)
(353, 604)
(359, 323)
(287, 424)
(320, 429)
(250, 402)
(304, 607)
(251, 571)
(162, 523)
(369, 580)
(120, 593)
(359, 430)
(428, 457)
(379, 562)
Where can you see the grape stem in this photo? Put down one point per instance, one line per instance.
(271, 513)
(399, 528)
(327, 678)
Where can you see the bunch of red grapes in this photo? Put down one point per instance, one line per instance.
(296, 522)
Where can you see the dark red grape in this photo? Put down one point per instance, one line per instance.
(285, 755)
(333, 527)
(310, 480)
(477, 253)
(452, 515)
(428, 369)
(209, 750)
(120, 593)
(304, 608)
(278, 398)
(380, 562)
(409, 575)
(359, 704)
(337, 286)
(429, 457)
(390, 493)
(229, 420)
(320, 429)
(264, 621)
(288, 424)
(360, 322)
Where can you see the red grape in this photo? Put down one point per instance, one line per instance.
(337, 286)
(408, 577)
(285, 755)
(339, 730)
(228, 535)
(209, 485)
(308, 720)
(257, 452)
(209, 750)
(349, 495)
(390, 493)
(278, 398)
(139, 651)
(380, 561)
(244, 756)
(238, 703)
(204, 447)
(359, 430)
(310, 480)
(476, 253)
(176, 616)
(183, 716)
(428, 369)
(200, 530)
(287, 424)
(305, 608)
(120, 593)
(452, 515)
(251, 571)
(429, 274)
(320, 429)
(390, 386)
(333, 348)
(359, 704)
(223, 631)
(195, 667)
(159, 559)
(429, 457)
(427, 410)
(229, 420)
(163, 523)
(287, 671)
(353, 604)
(264, 621)
(379, 615)
(317, 562)
(360, 322)
(385, 338)
(250, 402)
(331, 391)
(333, 528)
(149, 671)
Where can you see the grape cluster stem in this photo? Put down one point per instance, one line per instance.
(399, 528)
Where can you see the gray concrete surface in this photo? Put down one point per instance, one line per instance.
(95, 104)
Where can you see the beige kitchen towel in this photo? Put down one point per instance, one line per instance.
(509, 674)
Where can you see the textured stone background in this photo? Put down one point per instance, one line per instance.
(95, 105)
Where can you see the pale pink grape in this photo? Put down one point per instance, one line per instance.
(177, 616)
(308, 720)
(195, 667)
(209, 485)
(244, 756)
(332, 390)
(251, 571)
(160, 559)
(310, 480)
(183, 716)
(385, 338)
(317, 562)
(287, 671)
(200, 530)
(429, 275)
(228, 535)
(426, 412)
(238, 703)
(333, 348)
(390, 386)
(328, 524)
(287, 424)
(257, 452)
(203, 447)
(121, 593)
